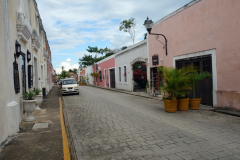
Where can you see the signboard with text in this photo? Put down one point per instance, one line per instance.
(155, 60)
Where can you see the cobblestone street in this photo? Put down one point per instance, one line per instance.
(112, 125)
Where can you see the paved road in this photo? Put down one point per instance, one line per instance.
(112, 125)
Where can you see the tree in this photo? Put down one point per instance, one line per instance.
(128, 26)
(62, 68)
(64, 74)
(74, 70)
(93, 50)
(145, 35)
(124, 47)
(86, 60)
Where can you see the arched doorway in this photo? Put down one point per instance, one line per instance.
(139, 74)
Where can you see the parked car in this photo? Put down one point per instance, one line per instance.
(69, 86)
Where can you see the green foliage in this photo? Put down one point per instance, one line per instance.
(95, 75)
(124, 47)
(64, 74)
(37, 91)
(128, 26)
(194, 77)
(86, 60)
(145, 35)
(28, 95)
(82, 80)
(175, 82)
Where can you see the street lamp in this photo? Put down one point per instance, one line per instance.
(148, 23)
(28, 56)
(17, 48)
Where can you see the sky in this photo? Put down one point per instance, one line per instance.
(73, 25)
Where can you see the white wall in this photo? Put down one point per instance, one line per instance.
(124, 58)
(88, 71)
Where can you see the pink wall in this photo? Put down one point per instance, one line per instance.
(110, 63)
(208, 24)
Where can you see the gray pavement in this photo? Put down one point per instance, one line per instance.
(112, 125)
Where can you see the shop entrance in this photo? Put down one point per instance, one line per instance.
(112, 78)
(205, 86)
(139, 76)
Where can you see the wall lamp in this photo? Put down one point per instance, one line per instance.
(149, 24)
(17, 48)
(28, 56)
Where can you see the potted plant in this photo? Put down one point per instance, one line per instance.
(171, 87)
(38, 97)
(29, 104)
(87, 79)
(194, 78)
(183, 88)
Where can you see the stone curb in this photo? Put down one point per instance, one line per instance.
(69, 134)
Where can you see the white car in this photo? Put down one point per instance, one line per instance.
(69, 86)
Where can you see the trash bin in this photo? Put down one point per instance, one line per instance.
(44, 92)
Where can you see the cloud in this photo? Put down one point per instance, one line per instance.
(68, 60)
(67, 66)
(71, 23)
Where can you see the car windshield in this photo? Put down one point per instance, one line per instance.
(70, 81)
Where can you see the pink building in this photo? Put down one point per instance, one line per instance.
(205, 33)
(106, 71)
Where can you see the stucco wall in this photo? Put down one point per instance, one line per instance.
(124, 59)
(88, 71)
(3, 88)
(105, 65)
(204, 26)
(11, 105)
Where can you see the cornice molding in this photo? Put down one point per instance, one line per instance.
(35, 40)
(23, 27)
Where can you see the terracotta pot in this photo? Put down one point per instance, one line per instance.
(194, 103)
(170, 105)
(29, 107)
(183, 104)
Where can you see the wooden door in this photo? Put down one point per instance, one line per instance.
(112, 78)
(205, 86)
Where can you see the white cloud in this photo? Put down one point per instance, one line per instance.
(67, 66)
(68, 60)
(71, 23)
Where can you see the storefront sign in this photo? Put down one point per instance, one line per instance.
(155, 60)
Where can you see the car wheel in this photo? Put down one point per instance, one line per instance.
(78, 93)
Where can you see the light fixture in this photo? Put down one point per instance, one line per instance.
(28, 56)
(17, 48)
(148, 23)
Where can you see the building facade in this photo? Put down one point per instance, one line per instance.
(125, 60)
(23, 62)
(106, 72)
(206, 34)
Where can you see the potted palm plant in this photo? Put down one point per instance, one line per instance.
(183, 88)
(29, 104)
(171, 87)
(38, 97)
(194, 78)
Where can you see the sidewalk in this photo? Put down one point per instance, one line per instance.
(39, 144)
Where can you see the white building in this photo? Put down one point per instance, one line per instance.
(20, 26)
(88, 71)
(124, 61)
